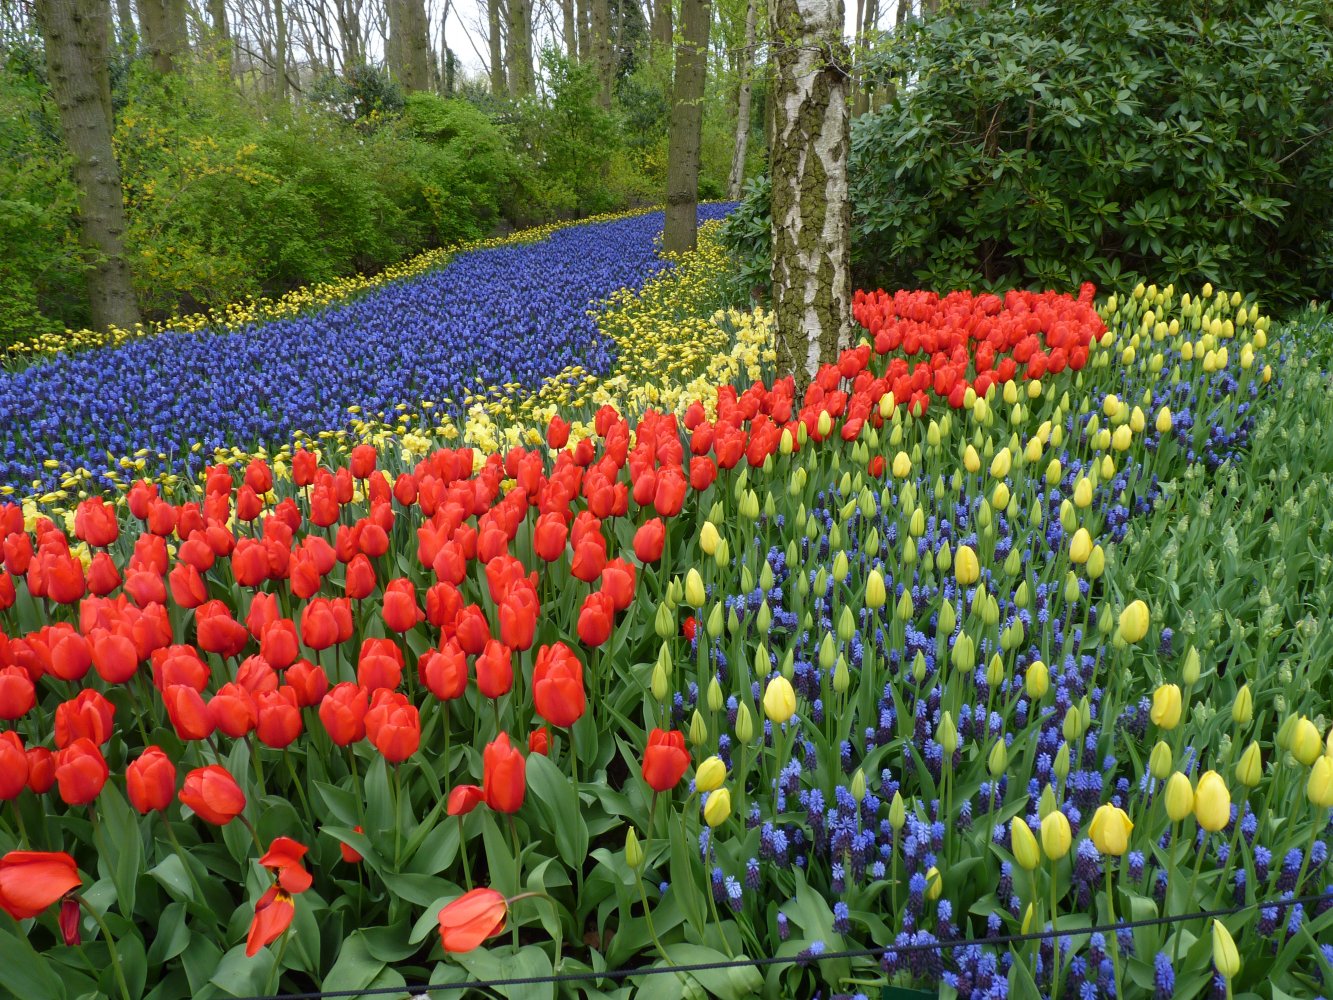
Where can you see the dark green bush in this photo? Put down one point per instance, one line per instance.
(1107, 142)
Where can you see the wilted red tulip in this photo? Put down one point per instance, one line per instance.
(279, 717)
(233, 710)
(463, 799)
(81, 772)
(150, 781)
(17, 694)
(285, 859)
(13, 765)
(393, 725)
(597, 618)
(504, 771)
(188, 713)
(471, 919)
(30, 881)
(379, 665)
(213, 795)
(343, 713)
(444, 671)
(665, 759)
(273, 915)
(495, 670)
(557, 685)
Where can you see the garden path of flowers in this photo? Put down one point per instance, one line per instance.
(633, 655)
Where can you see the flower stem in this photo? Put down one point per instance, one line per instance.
(1115, 944)
(110, 946)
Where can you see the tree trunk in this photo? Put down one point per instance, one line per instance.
(280, 44)
(520, 47)
(499, 83)
(409, 44)
(601, 42)
(585, 30)
(687, 106)
(743, 107)
(126, 33)
(217, 13)
(76, 35)
(165, 37)
(811, 274)
(570, 30)
(349, 33)
(661, 27)
(863, 87)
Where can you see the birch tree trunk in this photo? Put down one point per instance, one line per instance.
(737, 176)
(687, 112)
(520, 47)
(76, 34)
(812, 287)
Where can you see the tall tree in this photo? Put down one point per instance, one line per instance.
(737, 176)
(687, 114)
(408, 48)
(602, 52)
(867, 21)
(499, 81)
(585, 29)
(77, 34)
(570, 30)
(812, 285)
(162, 23)
(661, 22)
(520, 48)
(280, 43)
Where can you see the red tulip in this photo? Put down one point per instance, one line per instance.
(689, 628)
(273, 915)
(518, 618)
(258, 476)
(350, 854)
(463, 799)
(504, 771)
(103, 577)
(343, 713)
(471, 919)
(17, 694)
(284, 859)
(363, 461)
(179, 665)
(278, 643)
(95, 522)
(326, 622)
(549, 537)
(495, 670)
(233, 710)
(81, 772)
(557, 433)
(665, 760)
(596, 619)
(150, 781)
(443, 602)
(618, 579)
(256, 674)
(88, 714)
(188, 713)
(702, 473)
(471, 630)
(187, 586)
(379, 665)
(30, 881)
(444, 671)
(217, 631)
(13, 765)
(393, 725)
(589, 558)
(650, 540)
(279, 722)
(41, 770)
(213, 795)
(539, 741)
(557, 685)
(70, 655)
(308, 681)
(360, 581)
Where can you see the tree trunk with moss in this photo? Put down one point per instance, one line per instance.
(745, 70)
(812, 284)
(76, 34)
(687, 115)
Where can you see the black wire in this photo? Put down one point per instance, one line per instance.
(804, 958)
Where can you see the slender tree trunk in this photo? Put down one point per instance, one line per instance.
(217, 13)
(737, 176)
(863, 87)
(811, 210)
(585, 30)
(601, 41)
(570, 30)
(687, 110)
(126, 33)
(76, 35)
(280, 47)
(349, 33)
(499, 83)
(520, 48)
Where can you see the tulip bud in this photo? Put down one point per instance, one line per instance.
(1179, 797)
(709, 539)
(1166, 707)
(1046, 803)
(744, 723)
(1037, 681)
(858, 788)
(998, 759)
(897, 812)
(780, 700)
(664, 624)
(710, 774)
(828, 651)
(1072, 728)
(715, 697)
(1029, 917)
(1319, 788)
(1250, 767)
(876, 595)
(905, 610)
(1225, 956)
(934, 883)
(715, 621)
(918, 667)
(966, 567)
(1134, 621)
(660, 684)
(1212, 802)
(1055, 835)
(840, 566)
(633, 852)
(1159, 761)
(717, 810)
(995, 672)
(946, 735)
(1305, 743)
(1060, 767)
(1189, 671)
(694, 589)
(1110, 830)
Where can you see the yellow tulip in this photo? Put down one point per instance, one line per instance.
(710, 775)
(1319, 789)
(1159, 761)
(875, 592)
(1250, 767)
(779, 700)
(965, 566)
(1166, 706)
(934, 883)
(1212, 802)
(1055, 835)
(1110, 830)
(709, 538)
(694, 589)
(1080, 547)
(1134, 621)
(1179, 797)
(1037, 681)
(1305, 742)
(718, 807)
(1225, 955)
(902, 465)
